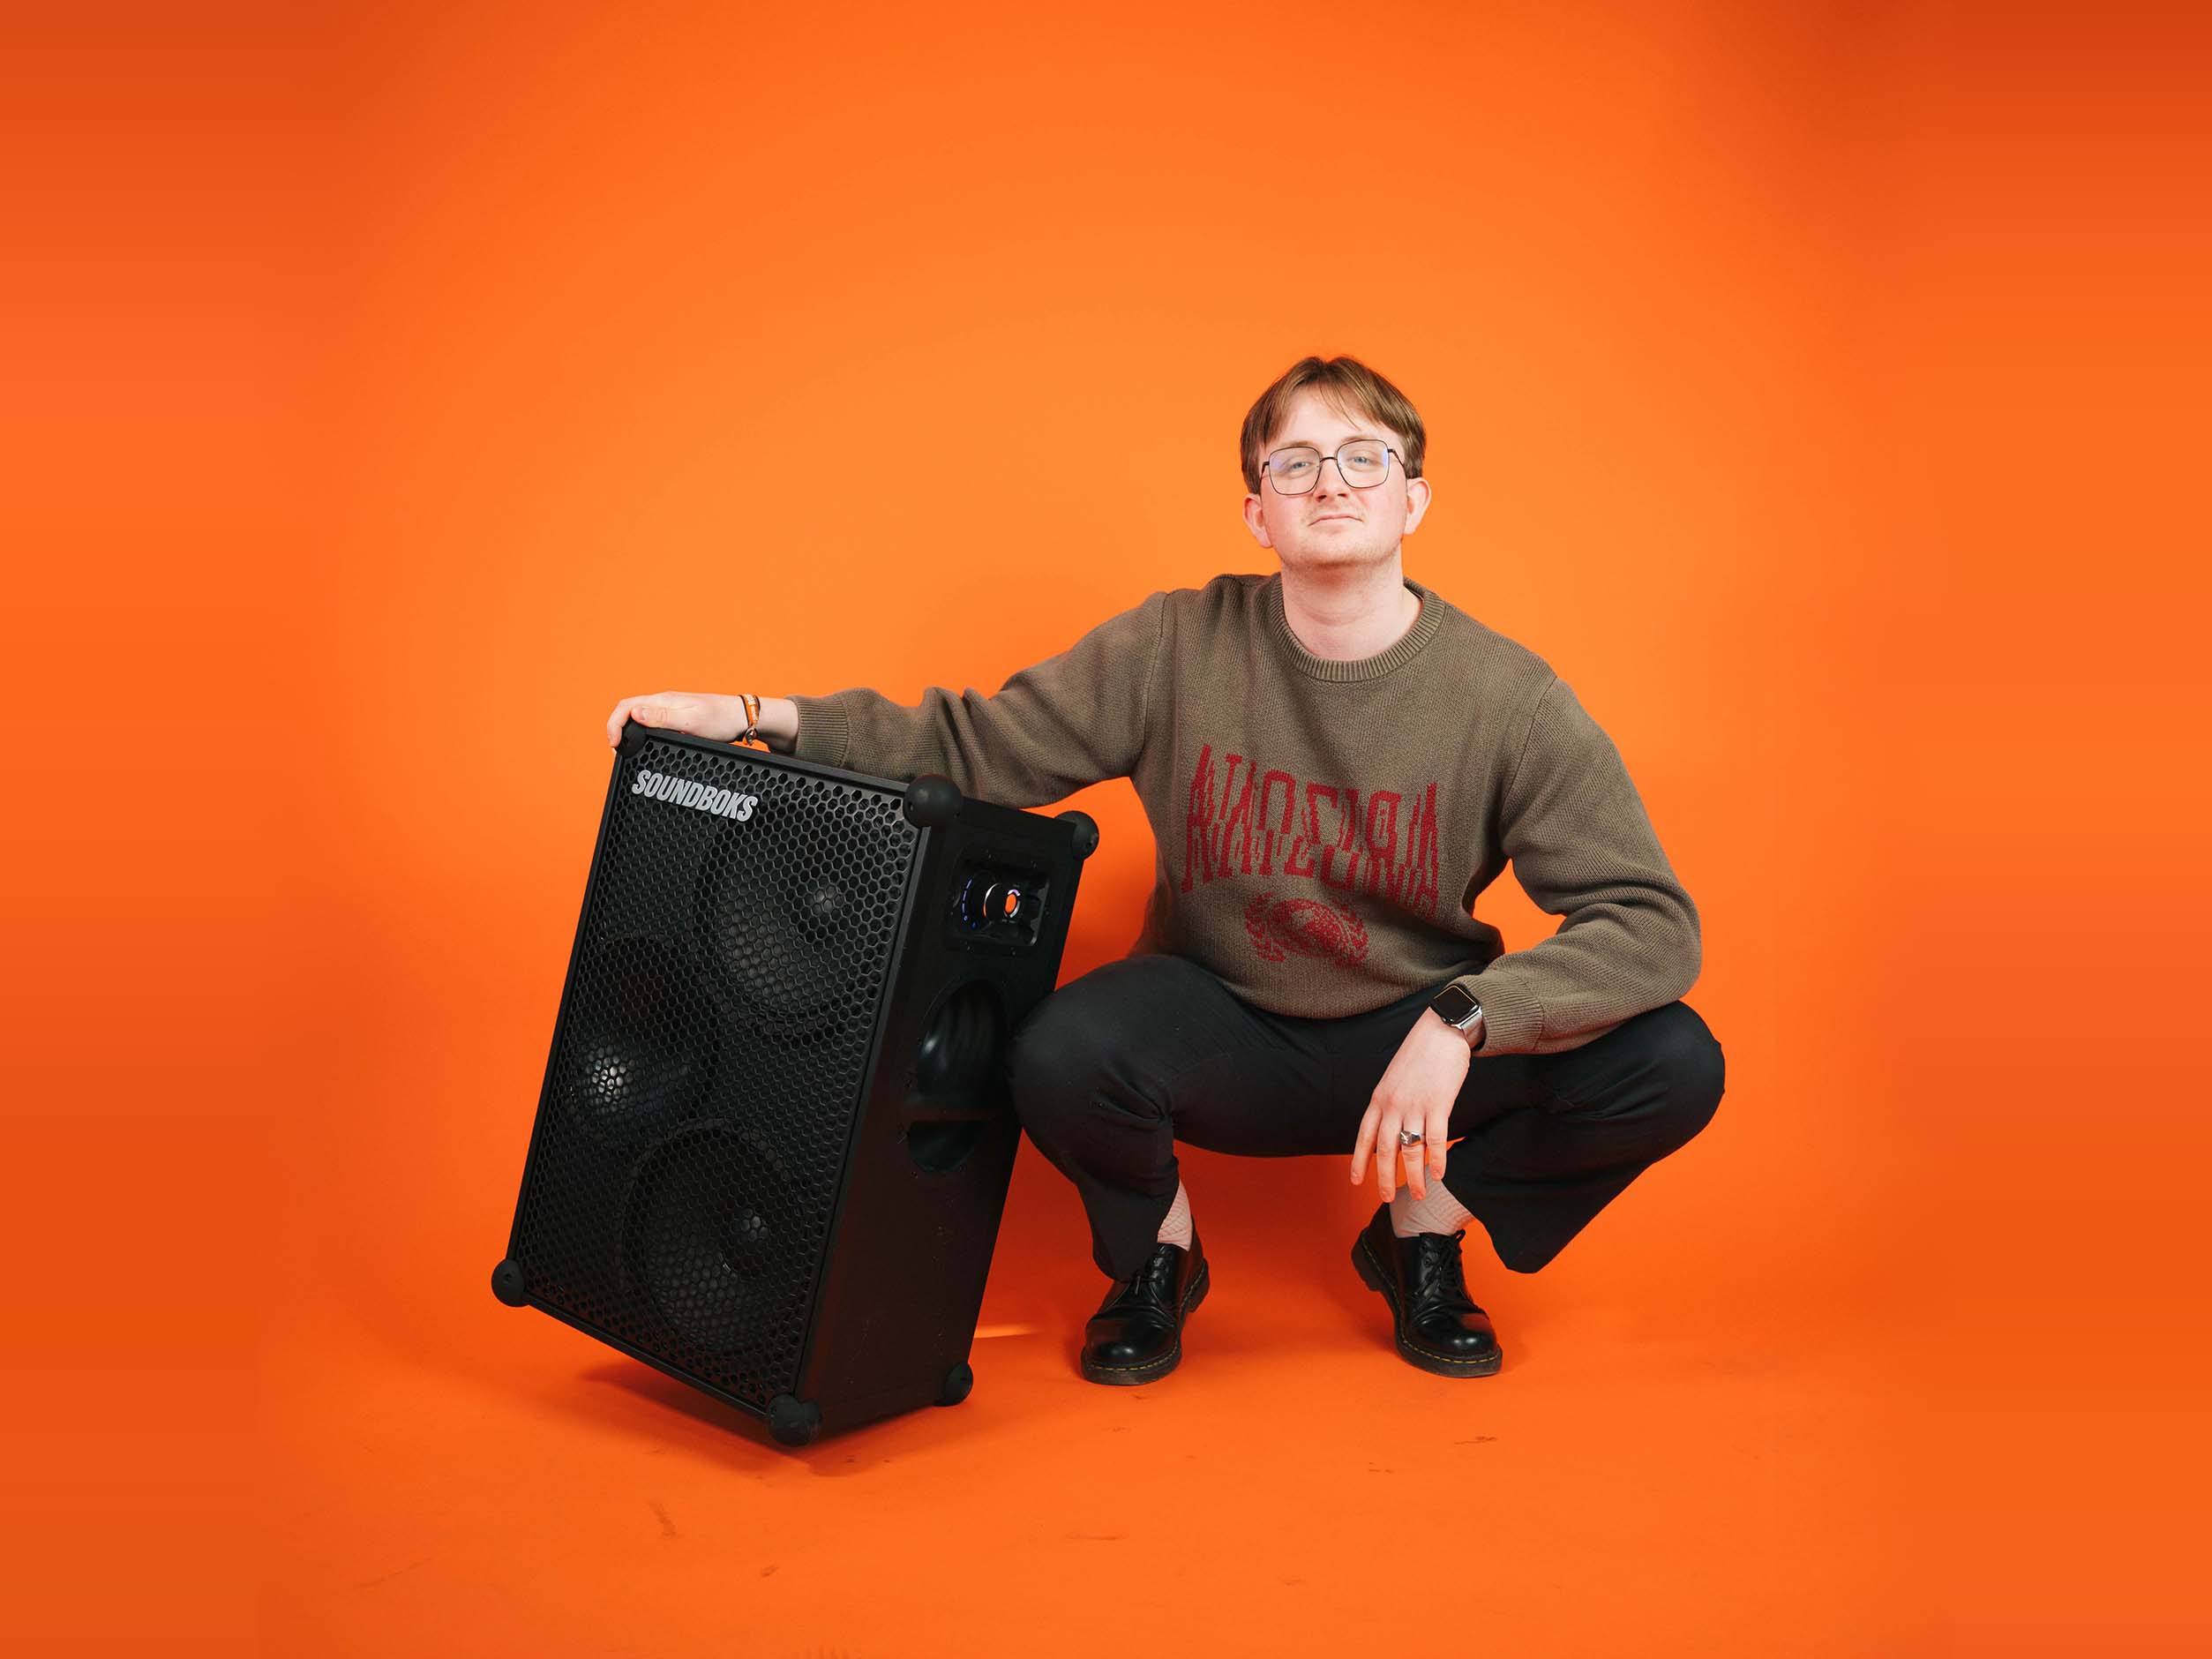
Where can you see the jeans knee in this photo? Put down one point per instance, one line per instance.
(1054, 1057)
(1690, 1060)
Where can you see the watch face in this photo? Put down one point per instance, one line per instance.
(1453, 1005)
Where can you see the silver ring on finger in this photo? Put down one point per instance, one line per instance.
(1409, 1137)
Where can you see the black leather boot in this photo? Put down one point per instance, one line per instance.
(1136, 1335)
(1439, 1329)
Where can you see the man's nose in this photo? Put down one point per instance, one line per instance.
(1320, 480)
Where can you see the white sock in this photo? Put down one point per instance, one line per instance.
(1438, 1213)
(1176, 1228)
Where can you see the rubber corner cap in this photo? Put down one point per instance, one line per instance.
(508, 1284)
(1086, 829)
(794, 1421)
(932, 800)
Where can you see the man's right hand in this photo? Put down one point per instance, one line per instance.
(704, 714)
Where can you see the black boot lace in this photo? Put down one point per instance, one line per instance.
(1437, 1275)
(1154, 1281)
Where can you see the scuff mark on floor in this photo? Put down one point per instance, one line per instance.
(385, 1578)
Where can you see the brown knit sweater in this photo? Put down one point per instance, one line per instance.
(1323, 828)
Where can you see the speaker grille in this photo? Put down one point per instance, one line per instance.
(709, 1058)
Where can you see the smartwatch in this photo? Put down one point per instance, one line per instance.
(1457, 1009)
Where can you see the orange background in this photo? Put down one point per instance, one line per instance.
(398, 389)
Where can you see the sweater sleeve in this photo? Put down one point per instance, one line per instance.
(1073, 719)
(1583, 847)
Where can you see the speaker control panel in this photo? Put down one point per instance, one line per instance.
(997, 904)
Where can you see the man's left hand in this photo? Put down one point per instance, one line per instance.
(1417, 1092)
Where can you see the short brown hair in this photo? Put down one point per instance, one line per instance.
(1347, 385)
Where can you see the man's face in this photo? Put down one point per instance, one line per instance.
(1335, 525)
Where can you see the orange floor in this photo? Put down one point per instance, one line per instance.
(1638, 1471)
(1687, 1450)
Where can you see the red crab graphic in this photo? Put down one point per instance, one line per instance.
(1306, 927)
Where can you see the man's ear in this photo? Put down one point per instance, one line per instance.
(1416, 502)
(1257, 524)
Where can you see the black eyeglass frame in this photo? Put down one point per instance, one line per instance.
(1267, 467)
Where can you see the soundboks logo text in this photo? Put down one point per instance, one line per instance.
(724, 803)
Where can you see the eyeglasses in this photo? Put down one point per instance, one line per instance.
(1363, 463)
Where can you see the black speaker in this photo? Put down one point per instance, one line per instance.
(773, 1144)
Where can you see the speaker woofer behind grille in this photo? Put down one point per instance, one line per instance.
(715, 1237)
(786, 934)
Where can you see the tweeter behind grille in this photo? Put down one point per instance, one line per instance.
(640, 1057)
(772, 1144)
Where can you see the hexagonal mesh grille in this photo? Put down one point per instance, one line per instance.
(709, 1057)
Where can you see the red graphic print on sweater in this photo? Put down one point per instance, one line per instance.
(1267, 823)
(1304, 927)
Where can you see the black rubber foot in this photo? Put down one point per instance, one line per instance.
(793, 1422)
(932, 800)
(958, 1381)
(507, 1285)
(1086, 831)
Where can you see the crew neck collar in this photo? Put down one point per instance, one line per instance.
(1423, 630)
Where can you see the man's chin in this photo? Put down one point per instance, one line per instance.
(1334, 555)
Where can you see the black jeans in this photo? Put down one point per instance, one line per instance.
(1113, 1067)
